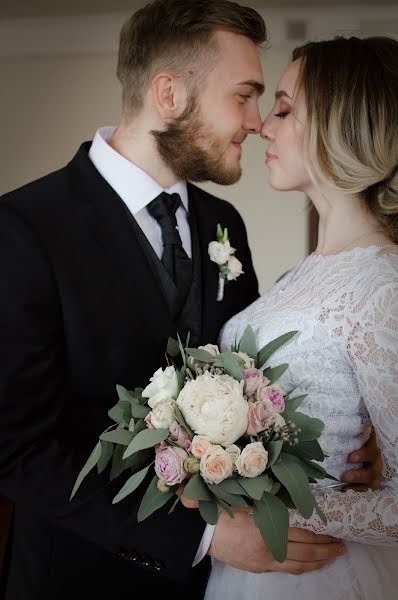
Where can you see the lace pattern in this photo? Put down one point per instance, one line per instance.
(345, 357)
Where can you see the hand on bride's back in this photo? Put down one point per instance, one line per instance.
(238, 543)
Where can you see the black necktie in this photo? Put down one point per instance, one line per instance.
(174, 258)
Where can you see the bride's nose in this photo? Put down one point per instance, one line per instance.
(266, 129)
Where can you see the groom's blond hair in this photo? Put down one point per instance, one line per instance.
(178, 36)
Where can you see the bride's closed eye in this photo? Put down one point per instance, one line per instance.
(281, 115)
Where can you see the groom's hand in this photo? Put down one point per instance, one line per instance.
(370, 474)
(238, 543)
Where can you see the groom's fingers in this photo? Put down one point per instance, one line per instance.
(308, 537)
(295, 567)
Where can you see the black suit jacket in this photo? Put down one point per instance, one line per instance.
(80, 311)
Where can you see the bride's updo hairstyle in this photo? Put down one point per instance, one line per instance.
(351, 92)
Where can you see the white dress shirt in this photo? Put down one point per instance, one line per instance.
(137, 189)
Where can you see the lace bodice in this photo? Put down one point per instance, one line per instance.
(345, 357)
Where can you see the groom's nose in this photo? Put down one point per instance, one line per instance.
(253, 122)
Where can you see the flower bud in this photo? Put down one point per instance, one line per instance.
(162, 486)
(192, 465)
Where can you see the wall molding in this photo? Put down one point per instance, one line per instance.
(99, 34)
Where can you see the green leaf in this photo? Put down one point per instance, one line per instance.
(172, 347)
(139, 426)
(274, 449)
(196, 489)
(209, 512)
(133, 462)
(106, 455)
(295, 480)
(311, 428)
(232, 486)
(182, 351)
(131, 484)
(292, 404)
(121, 412)
(226, 507)
(90, 464)
(118, 436)
(267, 351)
(173, 506)
(220, 233)
(180, 381)
(231, 499)
(256, 486)
(320, 512)
(181, 421)
(201, 355)
(247, 343)
(272, 519)
(152, 500)
(231, 365)
(311, 450)
(138, 410)
(146, 439)
(315, 471)
(275, 373)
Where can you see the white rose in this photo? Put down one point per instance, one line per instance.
(200, 445)
(211, 349)
(162, 416)
(214, 406)
(220, 253)
(216, 465)
(234, 268)
(234, 451)
(250, 363)
(253, 460)
(164, 385)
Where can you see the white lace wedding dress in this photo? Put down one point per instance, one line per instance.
(345, 357)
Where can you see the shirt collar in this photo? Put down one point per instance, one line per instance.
(134, 186)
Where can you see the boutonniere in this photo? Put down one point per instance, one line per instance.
(221, 252)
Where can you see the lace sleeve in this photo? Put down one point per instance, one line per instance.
(372, 345)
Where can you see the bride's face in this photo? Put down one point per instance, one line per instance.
(284, 129)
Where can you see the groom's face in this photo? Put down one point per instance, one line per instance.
(204, 143)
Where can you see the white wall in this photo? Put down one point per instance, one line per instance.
(58, 83)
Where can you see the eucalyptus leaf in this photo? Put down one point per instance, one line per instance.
(247, 343)
(90, 464)
(127, 395)
(121, 412)
(292, 404)
(311, 428)
(226, 507)
(310, 450)
(133, 462)
(173, 506)
(182, 351)
(231, 366)
(295, 480)
(256, 486)
(117, 436)
(180, 381)
(131, 484)
(138, 410)
(272, 519)
(152, 500)
(267, 351)
(275, 373)
(320, 512)
(231, 499)
(172, 347)
(201, 355)
(196, 489)
(147, 438)
(232, 486)
(139, 426)
(209, 512)
(274, 449)
(106, 455)
(181, 421)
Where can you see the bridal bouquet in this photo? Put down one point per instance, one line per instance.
(222, 428)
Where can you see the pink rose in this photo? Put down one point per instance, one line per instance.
(274, 394)
(169, 465)
(179, 436)
(253, 378)
(261, 416)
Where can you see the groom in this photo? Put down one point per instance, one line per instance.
(100, 262)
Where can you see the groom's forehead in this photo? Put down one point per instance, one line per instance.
(239, 61)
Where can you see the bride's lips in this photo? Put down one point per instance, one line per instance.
(269, 158)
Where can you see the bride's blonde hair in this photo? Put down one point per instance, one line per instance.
(351, 92)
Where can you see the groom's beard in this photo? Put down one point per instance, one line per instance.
(193, 151)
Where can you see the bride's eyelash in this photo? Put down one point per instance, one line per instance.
(281, 115)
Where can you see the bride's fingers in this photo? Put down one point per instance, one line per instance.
(304, 536)
(189, 503)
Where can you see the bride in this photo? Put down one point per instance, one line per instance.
(333, 135)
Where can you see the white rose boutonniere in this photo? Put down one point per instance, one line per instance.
(221, 252)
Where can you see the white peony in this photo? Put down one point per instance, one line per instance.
(220, 253)
(214, 406)
(216, 465)
(253, 460)
(234, 268)
(163, 387)
(162, 415)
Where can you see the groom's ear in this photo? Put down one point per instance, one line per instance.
(169, 95)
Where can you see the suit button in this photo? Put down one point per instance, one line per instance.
(158, 565)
